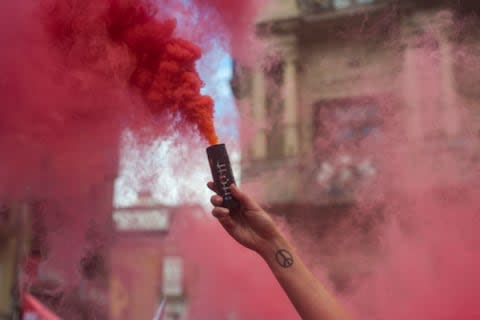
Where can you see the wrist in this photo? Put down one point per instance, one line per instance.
(270, 247)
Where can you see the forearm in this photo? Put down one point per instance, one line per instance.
(310, 298)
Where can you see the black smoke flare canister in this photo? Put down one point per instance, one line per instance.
(222, 174)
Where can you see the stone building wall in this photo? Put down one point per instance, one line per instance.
(337, 56)
(408, 59)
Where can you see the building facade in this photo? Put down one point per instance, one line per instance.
(146, 264)
(335, 75)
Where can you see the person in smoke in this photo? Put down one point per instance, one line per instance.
(253, 228)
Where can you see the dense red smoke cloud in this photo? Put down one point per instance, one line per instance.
(75, 76)
(162, 66)
(77, 72)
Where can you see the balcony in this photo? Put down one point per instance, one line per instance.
(324, 10)
(312, 11)
(316, 6)
(345, 6)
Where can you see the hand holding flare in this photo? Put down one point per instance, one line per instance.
(253, 228)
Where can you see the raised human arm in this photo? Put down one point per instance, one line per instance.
(252, 227)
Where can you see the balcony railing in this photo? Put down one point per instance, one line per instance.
(317, 6)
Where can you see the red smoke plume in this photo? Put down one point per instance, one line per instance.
(163, 66)
(75, 75)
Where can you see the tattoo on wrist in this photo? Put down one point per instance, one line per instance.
(284, 258)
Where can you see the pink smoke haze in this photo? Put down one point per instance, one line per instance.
(427, 262)
(420, 257)
(64, 112)
(224, 279)
(73, 82)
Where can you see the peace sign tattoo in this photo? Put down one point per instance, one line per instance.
(284, 258)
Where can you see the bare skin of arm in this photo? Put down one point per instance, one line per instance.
(253, 228)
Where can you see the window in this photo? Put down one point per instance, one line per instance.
(365, 1)
(340, 4)
(155, 219)
(346, 123)
(342, 127)
(332, 4)
(31, 316)
(172, 276)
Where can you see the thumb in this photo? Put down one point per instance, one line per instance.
(244, 199)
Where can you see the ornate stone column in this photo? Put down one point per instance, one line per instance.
(436, 28)
(450, 112)
(290, 92)
(411, 85)
(259, 144)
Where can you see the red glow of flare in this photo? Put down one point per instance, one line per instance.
(163, 69)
